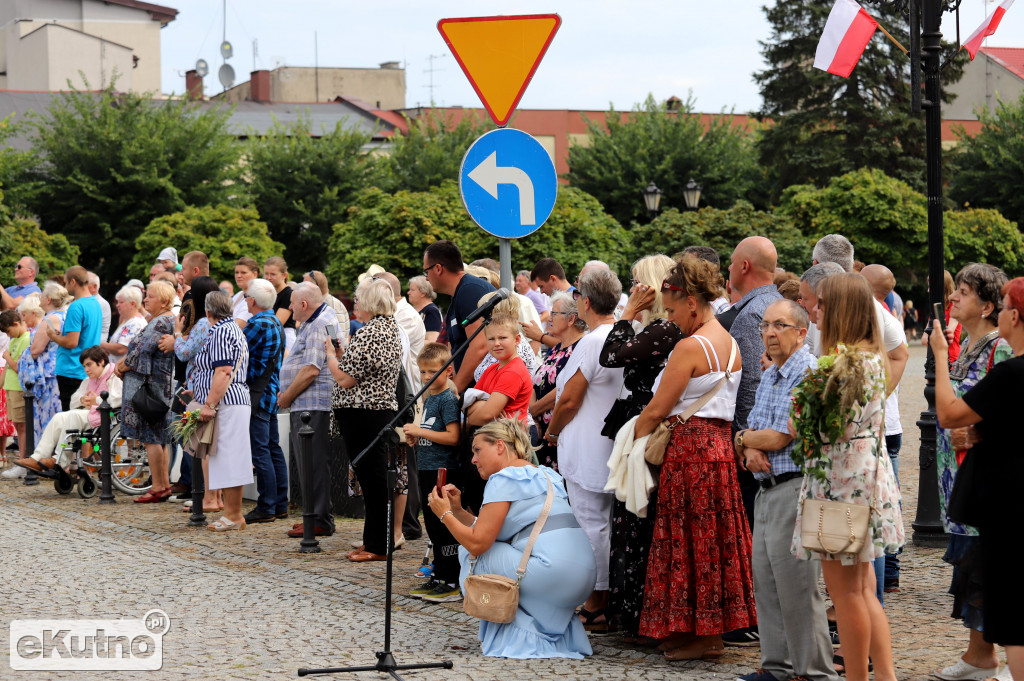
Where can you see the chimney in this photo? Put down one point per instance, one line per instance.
(259, 86)
(193, 85)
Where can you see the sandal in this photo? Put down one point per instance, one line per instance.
(590, 622)
(225, 525)
(695, 651)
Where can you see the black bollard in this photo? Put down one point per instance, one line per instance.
(198, 518)
(309, 543)
(106, 493)
(30, 432)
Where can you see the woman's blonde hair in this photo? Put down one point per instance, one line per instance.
(849, 316)
(376, 297)
(490, 276)
(651, 270)
(31, 305)
(512, 432)
(163, 291)
(57, 294)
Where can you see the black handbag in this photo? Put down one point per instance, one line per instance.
(149, 405)
(965, 500)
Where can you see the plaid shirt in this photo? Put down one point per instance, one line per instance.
(308, 350)
(265, 337)
(772, 404)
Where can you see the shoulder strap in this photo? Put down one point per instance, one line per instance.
(537, 527)
(706, 397)
(704, 342)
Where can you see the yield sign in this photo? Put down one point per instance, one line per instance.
(499, 55)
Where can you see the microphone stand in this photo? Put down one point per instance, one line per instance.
(385, 658)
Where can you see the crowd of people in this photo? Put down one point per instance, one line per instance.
(677, 440)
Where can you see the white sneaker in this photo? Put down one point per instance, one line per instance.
(14, 473)
(1004, 674)
(961, 671)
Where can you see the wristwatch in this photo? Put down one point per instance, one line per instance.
(739, 438)
(552, 436)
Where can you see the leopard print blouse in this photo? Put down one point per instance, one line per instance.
(373, 358)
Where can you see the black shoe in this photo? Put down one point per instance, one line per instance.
(184, 496)
(258, 516)
(742, 637)
(283, 515)
(892, 586)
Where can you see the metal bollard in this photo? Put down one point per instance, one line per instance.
(30, 432)
(106, 493)
(198, 518)
(309, 543)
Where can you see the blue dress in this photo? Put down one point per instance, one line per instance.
(43, 373)
(559, 576)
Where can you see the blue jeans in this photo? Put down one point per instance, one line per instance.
(892, 446)
(268, 460)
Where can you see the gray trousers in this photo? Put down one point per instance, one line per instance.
(790, 609)
(320, 422)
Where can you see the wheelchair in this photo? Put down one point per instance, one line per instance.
(129, 465)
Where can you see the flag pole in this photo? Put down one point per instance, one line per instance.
(889, 36)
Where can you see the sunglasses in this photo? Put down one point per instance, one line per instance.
(665, 286)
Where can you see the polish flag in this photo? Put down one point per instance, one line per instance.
(847, 32)
(973, 44)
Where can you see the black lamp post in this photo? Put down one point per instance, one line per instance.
(652, 199)
(691, 194)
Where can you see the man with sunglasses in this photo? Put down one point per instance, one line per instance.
(24, 283)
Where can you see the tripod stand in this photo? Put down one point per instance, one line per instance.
(385, 658)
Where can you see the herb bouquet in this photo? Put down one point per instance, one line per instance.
(183, 428)
(824, 403)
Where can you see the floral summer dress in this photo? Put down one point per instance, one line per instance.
(850, 473)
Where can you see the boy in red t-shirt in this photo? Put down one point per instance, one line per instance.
(508, 382)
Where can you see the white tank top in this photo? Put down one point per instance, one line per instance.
(723, 404)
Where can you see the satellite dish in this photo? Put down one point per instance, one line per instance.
(202, 68)
(226, 74)
(226, 50)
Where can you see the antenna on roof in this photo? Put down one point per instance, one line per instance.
(431, 58)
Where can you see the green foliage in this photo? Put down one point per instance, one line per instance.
(824, 125)
(20, 237)
(431, 152)
(393, 230)
(990, 165)
(983, 235)
(652, 144)
(109, 163)
(302, 185)
(15, 166)
(672, 231)
(884, 218)
(224, 233)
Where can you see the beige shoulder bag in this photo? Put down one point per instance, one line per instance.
(654, 452)
(495, 598)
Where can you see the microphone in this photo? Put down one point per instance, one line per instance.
(487, 307)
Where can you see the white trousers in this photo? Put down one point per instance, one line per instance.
(76, 419)
(593, 511)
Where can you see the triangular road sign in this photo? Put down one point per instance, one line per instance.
(499, 55)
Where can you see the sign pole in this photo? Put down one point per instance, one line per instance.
(505, 258)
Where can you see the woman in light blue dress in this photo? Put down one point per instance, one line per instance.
(561, 571)
(39, 362)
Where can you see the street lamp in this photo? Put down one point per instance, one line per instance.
(691, 194)
(652, 198)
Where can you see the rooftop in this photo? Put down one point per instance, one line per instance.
(1010, 58)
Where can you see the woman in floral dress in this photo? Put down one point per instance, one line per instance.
(40, 360)
(641, 355)
(849, 469)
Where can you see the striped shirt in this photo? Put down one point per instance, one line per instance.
(309, 350)
(772, 404)
(225, 347)
(266, 338)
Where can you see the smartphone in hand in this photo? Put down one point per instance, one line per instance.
(332, 331)
(940, 316)
(442, 480)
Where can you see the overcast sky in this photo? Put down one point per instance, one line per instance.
(606, 52)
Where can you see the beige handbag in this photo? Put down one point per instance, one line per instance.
(657, 443)
(495, 598)
(838, 527)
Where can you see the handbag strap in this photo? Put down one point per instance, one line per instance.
(537, 527)
(706, 397)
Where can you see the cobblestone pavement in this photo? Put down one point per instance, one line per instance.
(248, 606)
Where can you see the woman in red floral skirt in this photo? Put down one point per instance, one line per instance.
(699, 580)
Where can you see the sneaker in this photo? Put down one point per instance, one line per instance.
(833, 636)
(424, 589)
(742, 637)
(961, 671)
(14, 473)
(444, 593)
(758, 675)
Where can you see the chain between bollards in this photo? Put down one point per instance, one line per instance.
(30, 432)
(106, 493)
(309, 543)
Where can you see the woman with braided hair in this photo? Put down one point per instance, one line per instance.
(561, 570)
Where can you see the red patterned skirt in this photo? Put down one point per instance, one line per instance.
(699, 576)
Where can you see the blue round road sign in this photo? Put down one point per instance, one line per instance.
(508, 183)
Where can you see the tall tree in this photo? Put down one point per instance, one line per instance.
(653, 144)
(431, 152)
(301, 182)
(823, 126)
(110, 162)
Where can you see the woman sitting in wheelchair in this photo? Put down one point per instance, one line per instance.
(84, 412)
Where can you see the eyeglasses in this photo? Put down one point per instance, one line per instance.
(19, 266)
(778, 326)
(577, 294)
(563, 313)
(665, 286)
(634, 282)
(429, 267)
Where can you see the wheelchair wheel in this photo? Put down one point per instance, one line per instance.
(63, 484)
(86, 488)
(129, 464)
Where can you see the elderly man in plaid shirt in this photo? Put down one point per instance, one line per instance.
(306, 385)
(265, 337)
(790, 612)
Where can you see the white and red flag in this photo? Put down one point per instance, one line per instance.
(973, 44)
(847, 32)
